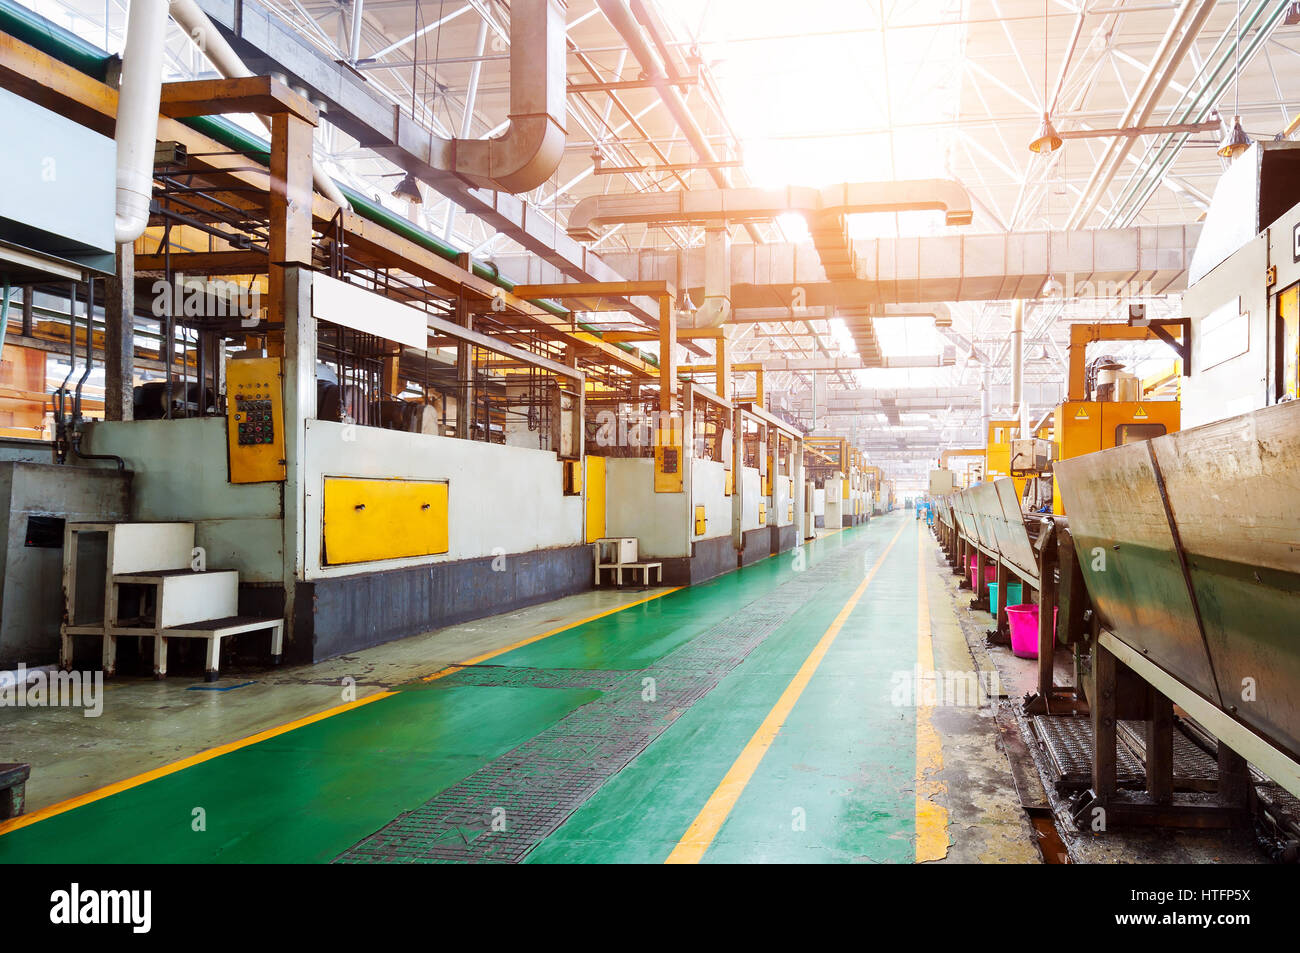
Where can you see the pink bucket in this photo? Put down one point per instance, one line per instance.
(1023, 622)
(990, 575)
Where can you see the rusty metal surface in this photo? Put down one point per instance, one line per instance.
(1015, 544)
(966, 523)
(983, 504)
(1232, 494)
(1130, 567)
(1234, 489)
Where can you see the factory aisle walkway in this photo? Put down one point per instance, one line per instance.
(770, 715)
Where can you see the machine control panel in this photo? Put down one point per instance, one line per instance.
(255, 420)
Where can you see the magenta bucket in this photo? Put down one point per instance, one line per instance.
(1023, 622)
(990, 575)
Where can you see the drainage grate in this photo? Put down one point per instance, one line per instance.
(504, 676)
(502, 811)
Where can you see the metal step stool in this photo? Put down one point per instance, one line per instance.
(188, 604)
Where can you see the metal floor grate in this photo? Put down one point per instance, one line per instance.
(1194, 768)
(503, 810)
(1068, 741)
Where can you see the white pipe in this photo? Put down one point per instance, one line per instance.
(222, 55)
(1018, 363)
(354, 44)
(137, 116)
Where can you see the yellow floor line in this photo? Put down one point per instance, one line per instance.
(26, 820)
(690, 849)
(931, 815)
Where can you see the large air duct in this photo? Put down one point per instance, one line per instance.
(715, 310)
(530, 149)
(137, 116)
(222, 55)
(742, 206)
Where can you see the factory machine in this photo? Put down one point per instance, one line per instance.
(319, 422)
(778, 448)
(727, 499)
(859, 504)
(1173, 576)
(830, 468)
(1106, 406)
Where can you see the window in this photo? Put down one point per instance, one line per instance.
(1132, 433)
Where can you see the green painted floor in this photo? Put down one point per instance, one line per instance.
(837, 783)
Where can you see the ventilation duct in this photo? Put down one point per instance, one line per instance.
(530, 149)
(137, 116)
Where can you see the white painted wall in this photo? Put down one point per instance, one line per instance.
(633, 508)
(507, 499)
(779, 512)
(181, 473)
(1240, 384)
(708, 488)
(834, 502)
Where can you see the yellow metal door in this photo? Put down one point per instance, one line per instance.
(366, 520)
(595, 484)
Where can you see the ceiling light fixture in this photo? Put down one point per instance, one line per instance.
(1048, 140)
(1236, 141)
(409, 189)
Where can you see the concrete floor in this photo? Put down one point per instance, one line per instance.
(813, 746)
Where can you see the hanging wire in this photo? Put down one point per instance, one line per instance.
(1236, 75)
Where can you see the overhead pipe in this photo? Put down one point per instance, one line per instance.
(1151, 169)
(621, 17)
(986, 400)
(1182, 33)
(354, 38)
(1018, 363)
(222, 55)
(137, 116)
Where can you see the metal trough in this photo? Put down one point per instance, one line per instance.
(1190, 549)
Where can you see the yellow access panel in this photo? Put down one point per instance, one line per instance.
(668, 456)
(701, 521)
(595, 498)
(255, 420)
(367, 520)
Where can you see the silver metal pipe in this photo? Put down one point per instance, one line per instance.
(354, 45)
(1018, 362)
